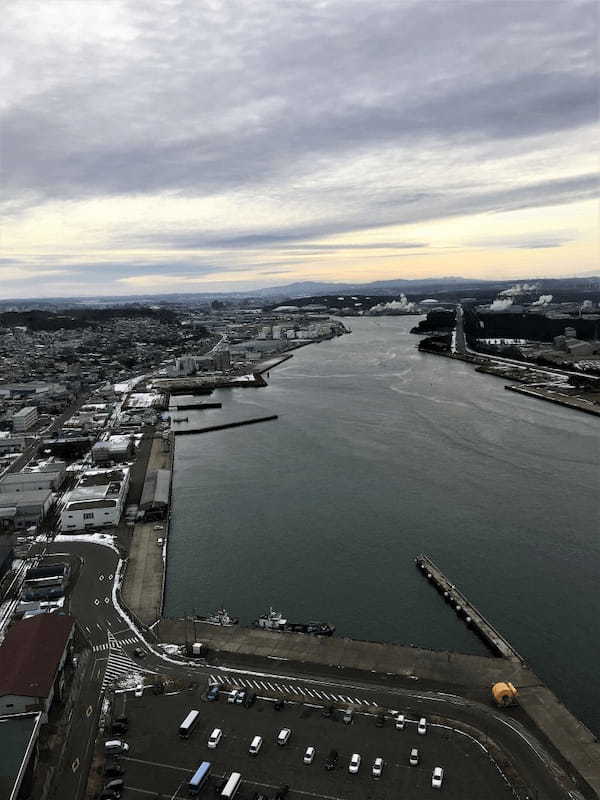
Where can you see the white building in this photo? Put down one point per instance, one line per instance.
(97, 501)
(25, 419)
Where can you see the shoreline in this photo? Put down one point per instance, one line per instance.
(487, 366)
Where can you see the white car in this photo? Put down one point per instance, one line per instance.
(284, 735)
(115, 746)
(400, 722)
(139, 690)
(309, 755)
(232, 697)
(414, 757)
(377, 767)
(437, 778)
(422, 726)
(354, 764)
(215, 738)
(255, 745)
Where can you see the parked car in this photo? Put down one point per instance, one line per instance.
(256, 744)
(354, 765)
(113, 770)
(283, 736)
(239, 698)
(380, 720)
(309, 755)
(139, 690)
(116, 785)
(213, 692)
(139, 653)
(115, 746)
(347, 716)
(422, 726)
(250, 698)
(377, 767)
(414, 757)
(214, 738)
(233, 695)
(119, 727)
(400, 722)
(278, 706)
(282, 793)
(437, 778)
(327, 712)
(109, 794)
(332, 760)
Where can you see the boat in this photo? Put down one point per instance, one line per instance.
(220, 617)
(275, 621)
(181, 419)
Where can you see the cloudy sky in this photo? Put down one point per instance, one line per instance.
(200, 145)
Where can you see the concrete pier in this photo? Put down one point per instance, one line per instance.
(465, 609)
(225, 425)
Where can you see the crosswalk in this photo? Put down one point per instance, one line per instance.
(292, 691)
(119, 664)
(101, 648)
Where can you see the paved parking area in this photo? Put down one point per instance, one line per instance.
(160, 763)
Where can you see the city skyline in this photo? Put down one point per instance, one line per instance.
(183, 148)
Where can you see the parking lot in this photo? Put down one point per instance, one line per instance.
(160, 764)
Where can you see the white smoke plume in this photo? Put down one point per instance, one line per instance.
(519, 288)
(401, 306)
(501, 305)
(543, 300)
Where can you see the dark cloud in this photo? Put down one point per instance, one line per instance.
(298, 86)
(345, 115)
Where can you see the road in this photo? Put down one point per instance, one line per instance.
(93, 600)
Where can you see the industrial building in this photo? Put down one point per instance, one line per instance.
(19, 747)
(21, 509)
(31, 481)
(155, 494)
(115, 449)
(32, 660)
(97, 501)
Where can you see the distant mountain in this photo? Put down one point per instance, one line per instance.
(456, 285)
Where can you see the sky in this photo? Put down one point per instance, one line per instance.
(184, 146)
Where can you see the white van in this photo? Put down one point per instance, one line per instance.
(255, 745)
(284, 735)
(215, 738)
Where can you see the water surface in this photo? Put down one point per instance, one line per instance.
(381, 453)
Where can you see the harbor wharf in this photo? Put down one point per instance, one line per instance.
(466, 676)
(465, 609)
(225, 425)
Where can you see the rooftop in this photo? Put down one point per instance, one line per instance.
(31, 654)
(18, 733)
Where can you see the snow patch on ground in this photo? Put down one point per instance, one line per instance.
(105, 539)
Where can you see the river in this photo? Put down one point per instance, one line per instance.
(381, 453)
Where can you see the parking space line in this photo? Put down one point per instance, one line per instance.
(156, 764)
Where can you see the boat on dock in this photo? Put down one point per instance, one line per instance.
(180, 419)
(275, 621)
(220, 617)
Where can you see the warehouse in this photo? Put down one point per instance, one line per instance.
(97, 501)
(155, 494)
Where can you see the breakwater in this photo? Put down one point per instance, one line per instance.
(466, 610)
(225, 425)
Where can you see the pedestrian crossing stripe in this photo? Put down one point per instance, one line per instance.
(119, 663)
(99, 648)
(294, 691)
